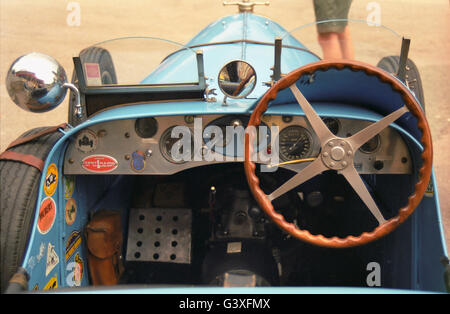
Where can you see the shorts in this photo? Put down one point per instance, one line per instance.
(329, 10)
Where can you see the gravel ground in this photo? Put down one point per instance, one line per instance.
(41, 25)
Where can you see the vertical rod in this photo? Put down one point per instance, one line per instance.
(277, 63)
(403, 59)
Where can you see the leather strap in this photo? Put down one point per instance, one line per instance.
(29, 138)
(23, 158)
(28, 159)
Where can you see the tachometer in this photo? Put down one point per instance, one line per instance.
(295, 143)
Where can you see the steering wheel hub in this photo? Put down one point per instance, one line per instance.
(337, 154)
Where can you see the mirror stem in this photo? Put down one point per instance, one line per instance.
(78, 108)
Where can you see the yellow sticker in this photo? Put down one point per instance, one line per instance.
(51, 180)
(52, 283)
(430, 189)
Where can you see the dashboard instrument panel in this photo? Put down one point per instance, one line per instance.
(170, 144)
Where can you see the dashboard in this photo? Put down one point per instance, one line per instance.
(169, 144)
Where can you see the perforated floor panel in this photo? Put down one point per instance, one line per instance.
(159, 235)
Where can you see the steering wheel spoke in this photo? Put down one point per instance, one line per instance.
(313, 169)
(316, 122)
(366, 134)
(359, 187)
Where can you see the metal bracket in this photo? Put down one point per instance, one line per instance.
(78, 109)
(277, 63)
(403, 59)
(246, 5)
(276, 69)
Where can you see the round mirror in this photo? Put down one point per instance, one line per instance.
(35, 82)
(237, 79)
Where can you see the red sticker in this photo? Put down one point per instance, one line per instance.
(99, 163)
(92, 70)
(47, 214)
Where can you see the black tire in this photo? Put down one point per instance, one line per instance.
(19, 184)
(107, 72)
(412, 78)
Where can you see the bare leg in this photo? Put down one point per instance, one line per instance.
(330, 45)
(346, 43)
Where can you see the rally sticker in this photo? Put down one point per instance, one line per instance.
(99, 163)
(47, 214)
(52, 283)
(73, 242)
(78, 271)
(51, 180)
(70, 211)
(92, 71)
(52, 259)
(69, 186)
(137, 162)
(86, 141)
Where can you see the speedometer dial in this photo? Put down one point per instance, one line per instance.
(295, 143)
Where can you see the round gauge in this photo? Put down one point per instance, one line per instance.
(371, 146)
(332, 124)
(232, 130)
(295, 143)
(146, 127)
(224, 137)
(177, 146)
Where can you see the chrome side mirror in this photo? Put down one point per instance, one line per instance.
(237, 79)
(38, 83)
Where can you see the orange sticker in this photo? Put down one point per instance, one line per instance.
(51, 180)
(47, 214)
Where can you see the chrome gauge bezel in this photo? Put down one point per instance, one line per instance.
(165, 150)
(305, 132)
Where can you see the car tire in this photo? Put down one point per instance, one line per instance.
(19, 186)
(412, 78)
(107, 71)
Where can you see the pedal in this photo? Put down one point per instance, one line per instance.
(159, 235)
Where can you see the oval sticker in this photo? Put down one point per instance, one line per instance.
(99, 163)
(51, 180)
(70, 211)
(47, 214)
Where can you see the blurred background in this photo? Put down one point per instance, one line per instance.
(62, 28)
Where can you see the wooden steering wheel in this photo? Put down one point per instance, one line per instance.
(337, 154)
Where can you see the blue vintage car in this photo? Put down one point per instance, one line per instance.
(240, 159)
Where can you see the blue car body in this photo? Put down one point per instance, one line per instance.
(248, 37)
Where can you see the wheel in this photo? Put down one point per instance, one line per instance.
(108, 75)
(412, 78)
(19, 185)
